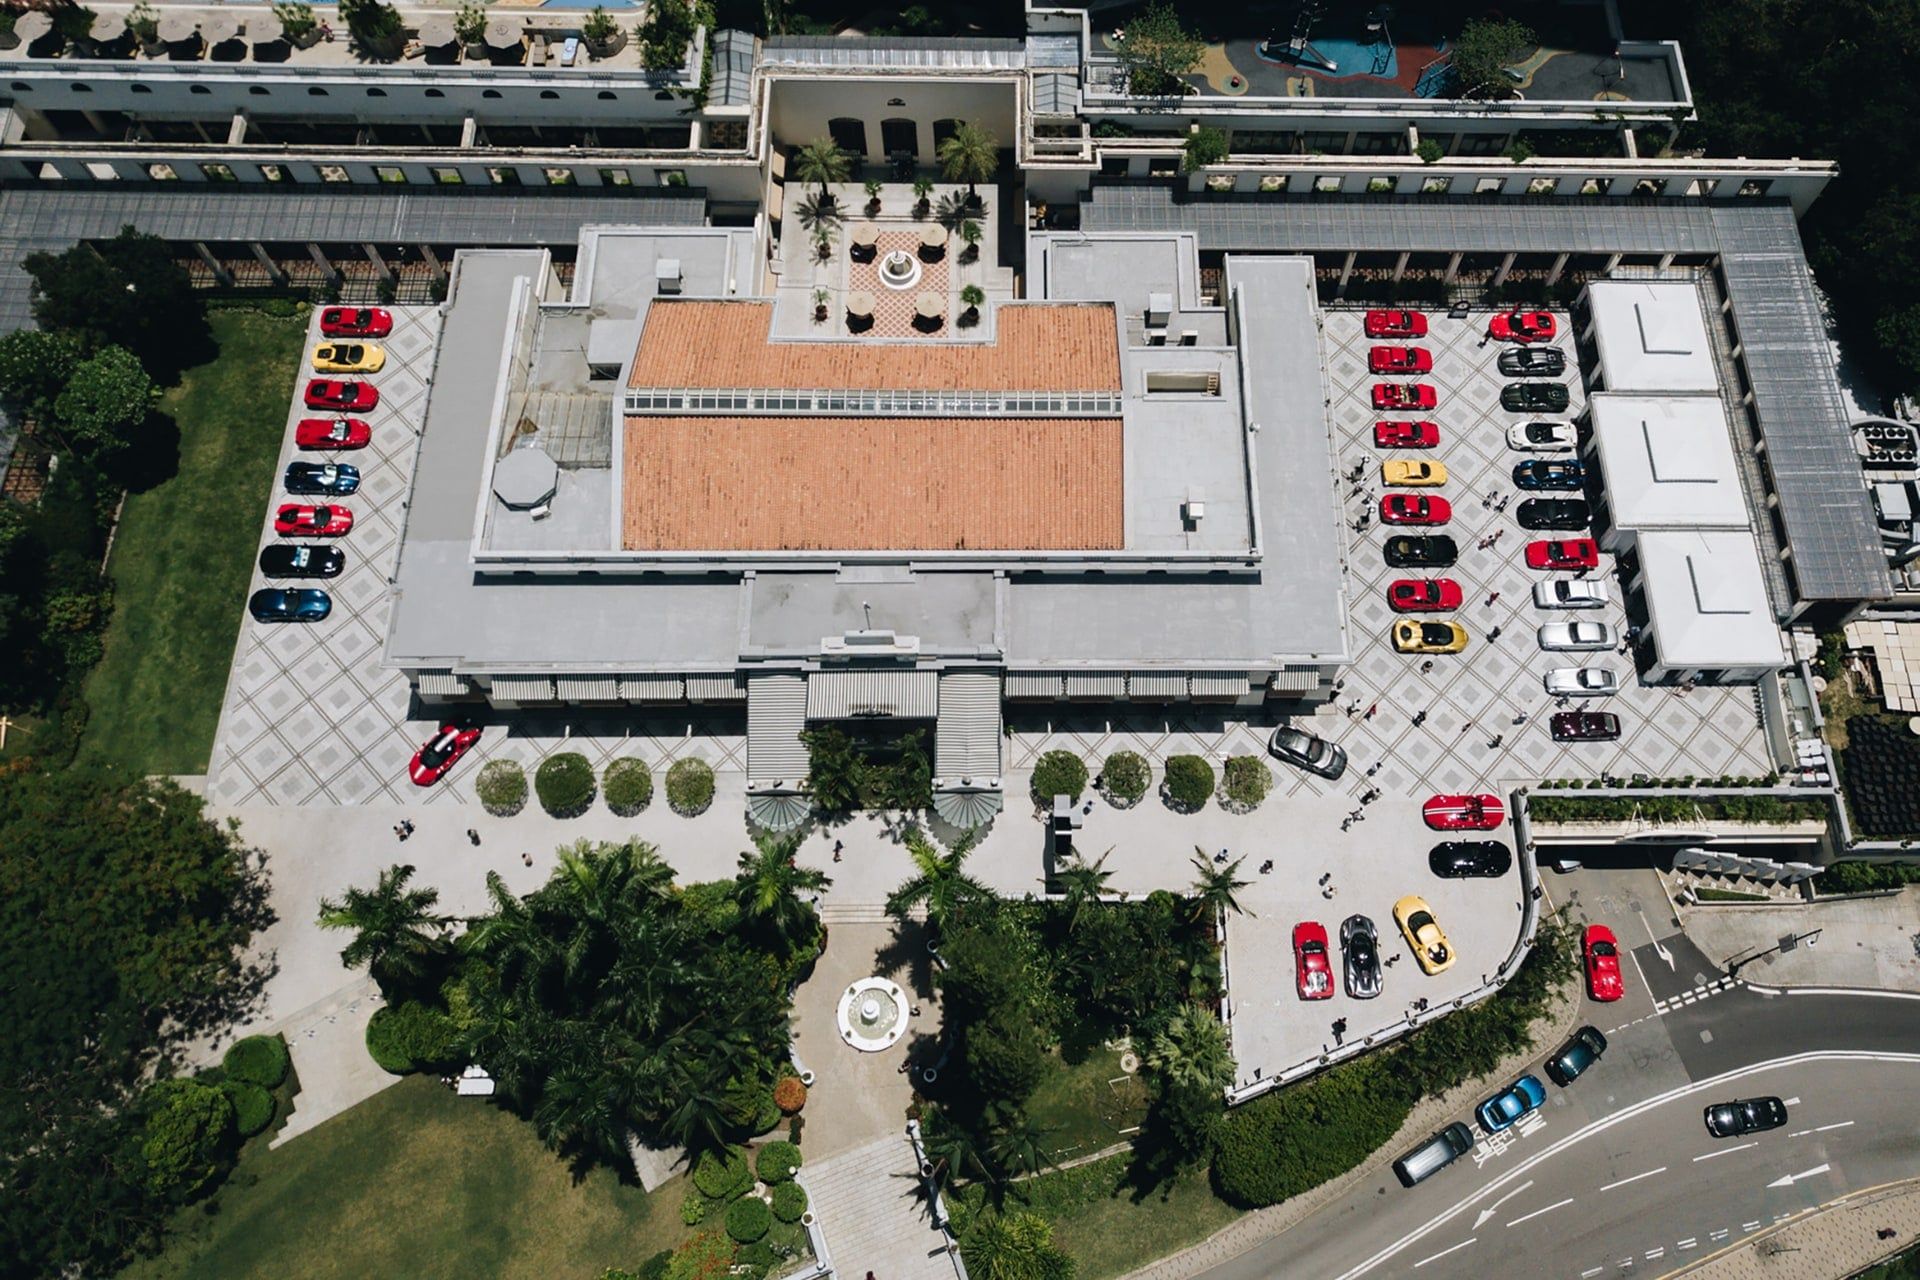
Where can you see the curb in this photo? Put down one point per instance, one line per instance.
(1729, 1262)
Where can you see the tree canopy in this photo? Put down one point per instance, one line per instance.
(107, 398)
(126, 292)
(1157, 51)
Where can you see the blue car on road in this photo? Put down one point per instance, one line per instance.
(1503, 1108)
(289, 604)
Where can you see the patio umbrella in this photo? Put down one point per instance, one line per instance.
(503, 34)
(525, 478)
(32, 25)
(177, 26)
(218, 26)
(436, 31)
(106, 28)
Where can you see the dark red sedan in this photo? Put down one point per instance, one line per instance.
(1521, 326)
(332, 433)
(1312, 970)
(1396, 324)
(1414, 433)
(441, 752)
(1563, 553)
(1423, 595)
(296, 520)
(356, 322)
(1414, 508)
(1404, 395)
(343, 394)
(1399, 360)
(1584, 726)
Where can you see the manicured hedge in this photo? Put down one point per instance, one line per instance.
(789, 1201)
(1288, 1142)
(502, 788)
(1058, 773)
(1864, 877)
(748, 1218)
(722, 1176)
(1189, 783)
(629, 786)
(690, 786)
(776, 1161)
(789, 1094)
(1125, 777)
(1245, 781)
(189, 1140)
(409, 1037)
(565, 785)
(252, 1106)
(260, 1060)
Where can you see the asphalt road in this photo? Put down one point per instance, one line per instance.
(1616, 1172)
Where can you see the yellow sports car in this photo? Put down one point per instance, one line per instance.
(1422, 932)
(1429, 637)
(348, 357)
(1411, 471)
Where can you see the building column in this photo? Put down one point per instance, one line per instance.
(266, 260)
(1506, 267)
(220, 272)
(1400, 266)
(1559, 268)
(469, 132)
(1666, 260)
(95, 123)
(237, 129)
(326, 264)
(432, 259)
(1453, 268)
(1346, 273)
(379, 263)
(1613, 263)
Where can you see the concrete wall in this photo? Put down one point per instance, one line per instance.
(801, 106)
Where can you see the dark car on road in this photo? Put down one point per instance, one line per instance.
(1458, 859)
(1433, 1155)
(1531, 362)
(1564, 514)
(1534, 397)
(322, 477)
(1309, 752)
(1360, 946)
(1579, 1053)
(1585, 726)
(1412, 552)
(287, 560)
(289, 604)
(1745, 1115)
(1549, 473)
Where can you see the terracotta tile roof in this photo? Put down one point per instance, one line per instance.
(1037, 347)
(715, 483)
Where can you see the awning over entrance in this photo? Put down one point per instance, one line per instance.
(652, 688)
(1096, 684)
(849, 695)
(1034, 684)
(776, 713)
(967, 809)
(523, 688)
(442, 684)
(1159, 686)
(588, 689)
(966, 742)
(1215, 684)
(778, 811)
(724, 687)
(1300, 681)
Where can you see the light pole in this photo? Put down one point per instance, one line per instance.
(1787, 943)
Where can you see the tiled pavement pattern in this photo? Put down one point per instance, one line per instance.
(873, 1215)
(893, 309)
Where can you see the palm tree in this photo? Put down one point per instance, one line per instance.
(817, 213)
(822, 161)
(940, 882)
(1081, 883)
(769, 886)
(1191, 1052)
(1214, 888)
(396, 933)
(970, 154)
(954, 1154)
(1022, 1148)
(584, 1107)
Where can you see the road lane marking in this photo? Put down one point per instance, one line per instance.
(1724, 1151)
(1635, 1178)
(1688, 1243)
(1788, 1180)
(1793, 1102)
(1721, 1234)
(1537, 1212)
(1487, 1212)
(1591, 1271)
(1444, 1252)
(1655, 1253)
(1843, 1124)
(1750, 1226)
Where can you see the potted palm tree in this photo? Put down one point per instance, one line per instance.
(297, 23)
(823, 241)
(374, 25)
(603, 36)
(971, 297)
(820, 299)
(470, 27)
(822, 161)
(922, 196)
(144, 23)
(873, 197)
(971, 233)
(971, 155)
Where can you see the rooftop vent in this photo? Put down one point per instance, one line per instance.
(666, 275)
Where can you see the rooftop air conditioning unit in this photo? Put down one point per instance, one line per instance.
(1159, 310)
(1194, 509)
(666, 275)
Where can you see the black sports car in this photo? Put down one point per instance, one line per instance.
(1549, 473)
(1526, 362)
(1360, 946)
(1553, 513)
(1433, 551)
(1534, 397)
(1459, 859)
(288, 560)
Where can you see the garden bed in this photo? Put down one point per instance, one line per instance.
(1880, 771)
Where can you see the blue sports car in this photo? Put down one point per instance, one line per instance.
(322, 477)
(1503, 1108)
(289, 604)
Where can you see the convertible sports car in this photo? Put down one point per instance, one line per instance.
(1463, 813)
(1313, 973)
(1423, 595)
(349, 357)
(1404, 395)
(1396, 324)
(1429, 637)
(297, 521)
(332, 433)
(1423, 934)
(441, 752)
(341, 394)
(1412, 472)
(356, 322)
(1399, 360)
(1601, 952)
(1414, 508)
(1563, 553)
(1521, 326)
(1410, 433)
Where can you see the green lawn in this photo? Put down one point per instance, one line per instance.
(1097, 1219)
(415, 1182)
(1086, 1106)
(184, 552)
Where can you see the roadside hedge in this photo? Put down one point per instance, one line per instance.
(502, 788)
(565, 785)
(1189, 783)
(260, 1060)
(1058, 773)
(628, 785)
(690, 786)
(1290, 1141)
(1864, 877)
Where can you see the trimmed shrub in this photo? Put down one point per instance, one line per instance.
(410, 1036)
(748, 1218)
(789, 1094)
(252, 1106)
(502, 788)
(789, 1201)
(690, 786)
(776, 1162)
(1285, 1143)
(702, 1257)
(766, 1115)
(628, 784)
(189, 1140)
(693, 1210)
(1244, 783)
(1125, 777)
(1865, 877)
(722, 1176)
(564, 783)
(1058, 773)
(1188, 784)
(260, 1060)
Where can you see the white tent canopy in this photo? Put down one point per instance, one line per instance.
(1652, 336)
(1668, 462)
(1707, 602)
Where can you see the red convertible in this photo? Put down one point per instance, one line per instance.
(332, 433)
(1404, 395)
(1399, 360)
(1414, 433)
(1566, 553)
(1464, 813)
(441, 752)
(356, 322)
(1414, 508)
(1521, 326)
(1601, 951)
(341, 393)
(1423, 595)
(1313, 972)
(1396, 324)
(326, 521)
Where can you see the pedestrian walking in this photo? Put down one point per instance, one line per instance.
(1393, 959)
(1521, 718)
(1492, 598)
(837, 846)
(1493, 634)
(1426, 666)
(1468, 725)
(1266, 866)
(836, 855)
(473, 837)
(408, 824)
(1346, 824)
(527, 858)
(1371, 711)
(1373, 768)
(399, 832)
(1494, 744)
(1419, 717)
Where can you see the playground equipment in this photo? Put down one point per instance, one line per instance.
(1298, 48)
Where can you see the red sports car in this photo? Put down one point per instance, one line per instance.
(441, 752)
(1414, 508)
(1463, 813)
(1521, 326)
(356, 322)
(325, 521)
(1404, 395)
(1399, 360)
(1564, 553)
(1414, 433)
(1396, 324)
(1423, 595)
(1602, 952)
(1311, 968)
(341, 393)
(332, 433)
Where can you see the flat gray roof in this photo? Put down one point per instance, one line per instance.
(952, 613)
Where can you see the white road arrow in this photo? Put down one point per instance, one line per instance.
(1658, 950)
(1792, 1178)
(1487, 1212)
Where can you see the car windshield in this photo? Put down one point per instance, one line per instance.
(1604, 949)
(1419, 922)
(1311, 947)
(1437, 632)
(1362, 948)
